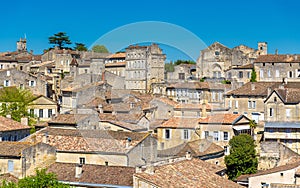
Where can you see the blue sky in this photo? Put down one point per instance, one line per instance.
(229, 22)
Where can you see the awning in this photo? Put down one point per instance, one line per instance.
(241, 127)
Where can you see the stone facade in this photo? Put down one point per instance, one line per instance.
(144, 66)
(217, 58)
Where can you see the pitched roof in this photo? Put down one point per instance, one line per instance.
(77, 88)
(289, 95)
(7, 177)
(286, 58)
(270, 171)
(13, 148)
(7, 124)
(68, 118)
(187, 173)
(220, 119)
(197, 148)
(94, 174)
(179, 122)
(117, 55)
(192, 106)
(72, 140)
(166, 100)
(129, 126)
(189, 85)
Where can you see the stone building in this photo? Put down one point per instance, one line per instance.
(217, 58)
(182, 72)
(116, 64)
(144, 66)
(276, 67)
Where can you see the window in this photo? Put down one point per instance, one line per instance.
(275, 99)
(261, 73)
(216, 135)
(32, 83)
(186, 134)
(8, 73)
(248, 74)
(213, 96)
(290, 74)
(288, 113)
(277, 73)
(21, 86)
(181, 76)
(31, 112)
(10, 165)
(230, 104)
(217, 53)
(85, 71)
(269, 73)
(236, 104)
(49, 113)
(206, 134)
(41, 113)
(226, 148)
(240, 74)
(271, 112)
(6, 83)
(225, 136)
(249, 104)
(253, 104)
(81, 160)
(167, 134)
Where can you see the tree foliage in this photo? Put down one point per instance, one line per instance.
(60, 39)
(253, 76)
(15, 102)
(80, 47)
(242, 158)
(169, 67)
(42, 179)
(100, 49)
(179, 61)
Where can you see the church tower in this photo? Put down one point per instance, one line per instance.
(21, 45)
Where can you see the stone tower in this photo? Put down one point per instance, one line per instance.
(21, 45)
(262, 48)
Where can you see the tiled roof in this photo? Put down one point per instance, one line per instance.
(166, 100)
(117, 64)
(197, 148)
(192, 106)
(129, 126)
(287, 58)
(94, 174)
(189, 85)
(42, 64)
(96, 101)
(179, 122)
(260, 88)
(68, 118)
(187, 173)
(117, 55)
(270, 171)
(220, 119)
(7, 124)
(7, 177)
(107, 117)
(289, 95)
(13, 148)
(78, 88)
(88, 140)
(118, 107)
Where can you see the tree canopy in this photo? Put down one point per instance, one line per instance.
(253, 76)
(179, 61)
(42, 179)
(15, 102)
(60, 39)
(100, 49)
(242, 158)
(80, 47)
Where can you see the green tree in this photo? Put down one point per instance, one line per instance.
(242, 158)
(178, 62)
(80, 47)
(252, 125)
(253, 75)
(15, 102)
(42, 179)
(100, 49)
(169, 67)
(60, 39)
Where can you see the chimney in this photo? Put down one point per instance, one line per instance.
(252, 86)
(8, 116)
(188, 155)
(128, 141)
(150, 169)
(45, 138)
(138, 169)
(24, 121)
(100, 108)
(78, 170)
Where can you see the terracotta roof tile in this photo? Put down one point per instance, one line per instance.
(96, 174)
(13, 148)
(189, 85)
(88, 140)
(179, 122)
(187, 173)
(117, 55)
(68, 118)
(220, 119)
(7, 124)
(287, 58)
(192, 106)
(289, 95)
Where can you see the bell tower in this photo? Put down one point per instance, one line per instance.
(21, 45)
(262, 48)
